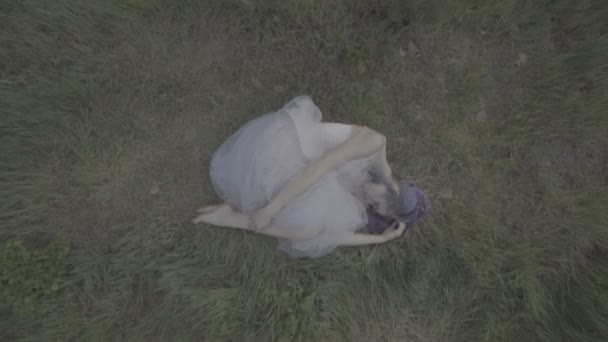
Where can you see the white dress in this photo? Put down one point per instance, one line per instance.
(251, 167)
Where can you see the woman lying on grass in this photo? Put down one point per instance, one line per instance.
(310, 184)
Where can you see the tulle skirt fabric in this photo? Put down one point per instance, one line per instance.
(250, 168)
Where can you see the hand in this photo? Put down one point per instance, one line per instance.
(261, 218)
(394, 231)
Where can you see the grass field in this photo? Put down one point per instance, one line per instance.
(110, 111)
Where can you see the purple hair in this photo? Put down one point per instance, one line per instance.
(411, 205)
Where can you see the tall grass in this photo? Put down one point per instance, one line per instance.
(497, 108)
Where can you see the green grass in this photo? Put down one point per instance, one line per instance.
(497, 108)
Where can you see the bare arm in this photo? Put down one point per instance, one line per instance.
(362, 143)
(357, 239)
(382, 168)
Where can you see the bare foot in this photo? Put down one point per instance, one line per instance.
(208, 209)
(210, 213)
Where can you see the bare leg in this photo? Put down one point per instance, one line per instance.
(223, 215)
